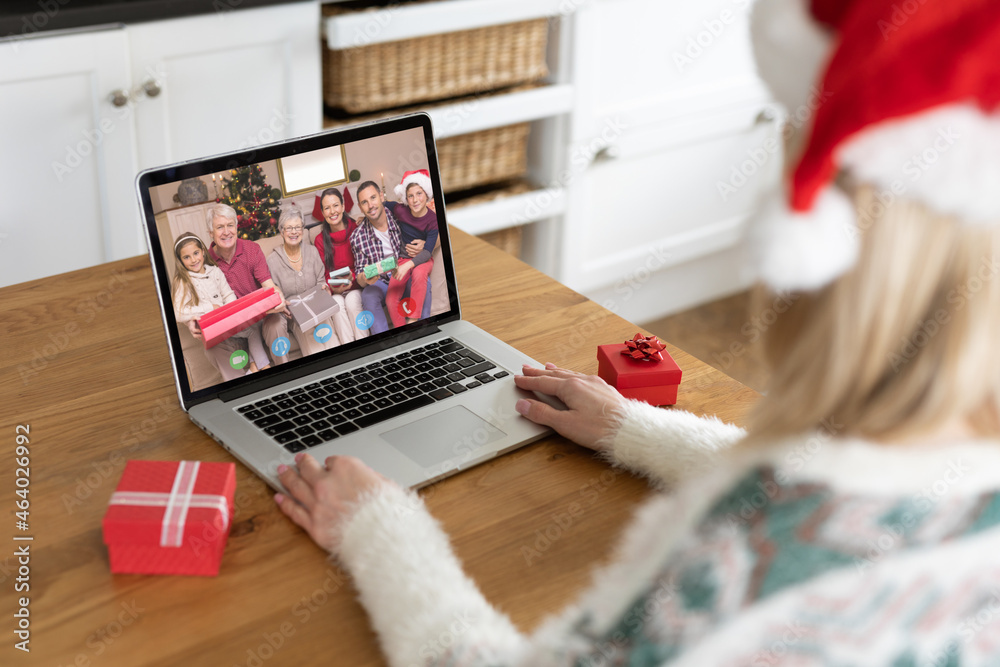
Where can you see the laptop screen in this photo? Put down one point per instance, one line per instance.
(276, 258)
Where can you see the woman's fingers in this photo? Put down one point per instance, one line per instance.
(294, 511)
(543, 383)
(300, 490)
(543, 414)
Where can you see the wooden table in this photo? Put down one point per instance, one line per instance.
(86, 367)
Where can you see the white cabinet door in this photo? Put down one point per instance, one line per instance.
(664, 202)
(226, 80)
(68, 156)
(644, 61)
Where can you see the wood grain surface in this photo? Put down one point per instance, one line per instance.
(86, 367)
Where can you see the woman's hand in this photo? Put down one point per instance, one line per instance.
(319, 497)
(194, 329)
(403, 269)
(338, 289)
(415, 246)
(594, 406)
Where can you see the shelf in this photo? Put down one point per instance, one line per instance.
(509, 211)
(489, 111)
(390, 24)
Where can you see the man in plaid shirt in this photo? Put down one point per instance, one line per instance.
(376, 238)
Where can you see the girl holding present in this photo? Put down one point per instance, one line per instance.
(199, 287)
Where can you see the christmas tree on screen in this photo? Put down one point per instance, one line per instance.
(255, 201)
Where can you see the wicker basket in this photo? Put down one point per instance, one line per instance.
(509, 240)
(469, 160)
(392, 74)
(480, 158)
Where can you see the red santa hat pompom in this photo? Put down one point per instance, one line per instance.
(910, 96)
(421, 177)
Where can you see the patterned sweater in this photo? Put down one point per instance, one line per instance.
(812, 552)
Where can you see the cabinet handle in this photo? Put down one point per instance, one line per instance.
(152, 87)
(119, 98)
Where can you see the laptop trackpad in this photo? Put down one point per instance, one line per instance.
(450, 435)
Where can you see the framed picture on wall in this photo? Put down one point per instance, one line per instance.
(314, 170)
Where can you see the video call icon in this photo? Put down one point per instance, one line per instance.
(281, 346)
(239, 359)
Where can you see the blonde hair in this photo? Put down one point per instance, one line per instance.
(906, 342)
(182, 284)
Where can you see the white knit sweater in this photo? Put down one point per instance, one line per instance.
(813, 552)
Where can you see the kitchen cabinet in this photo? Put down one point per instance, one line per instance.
(82, 113)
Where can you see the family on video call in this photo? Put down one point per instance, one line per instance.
(377, 270)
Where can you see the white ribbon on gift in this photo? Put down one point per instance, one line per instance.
(178, 502)
(304, 300)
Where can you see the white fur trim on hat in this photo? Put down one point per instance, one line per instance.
(418, 178)
(791, 49)
(804, 251)
(947, 158)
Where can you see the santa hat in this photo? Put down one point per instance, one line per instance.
(905, 97)
(421, 177)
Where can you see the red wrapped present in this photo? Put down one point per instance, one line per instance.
(235, 316)
(170, 517)
(634, 369)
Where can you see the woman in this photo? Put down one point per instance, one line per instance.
(200, 287)
(296, 268)
(858, 522)
(334, 246)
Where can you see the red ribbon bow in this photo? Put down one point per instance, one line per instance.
(648, 348)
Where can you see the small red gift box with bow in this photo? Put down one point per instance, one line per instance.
(641, 369)
(170, 517)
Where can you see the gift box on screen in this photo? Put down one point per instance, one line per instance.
(236, 316)
(170, 517)
(380, 267)
(312, 307)
(641, 369)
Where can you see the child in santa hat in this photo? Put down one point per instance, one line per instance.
(857, 522)
(417, 223)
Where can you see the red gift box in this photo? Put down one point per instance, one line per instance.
(235, 316)
(654, 382)
(170, 517)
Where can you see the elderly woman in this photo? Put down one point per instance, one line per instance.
(296, 268)
(857, 521)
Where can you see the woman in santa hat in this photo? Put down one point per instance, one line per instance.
(418, 229)
(856, 522)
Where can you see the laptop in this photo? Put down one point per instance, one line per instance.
(417, 402)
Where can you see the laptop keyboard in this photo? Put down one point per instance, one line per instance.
(323, 411)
